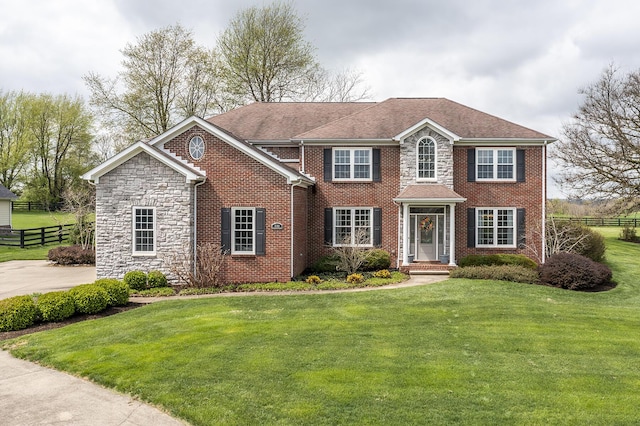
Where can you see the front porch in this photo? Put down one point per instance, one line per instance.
(427, 228)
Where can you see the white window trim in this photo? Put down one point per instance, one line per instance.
(203, 147)
(351, 164)
(435, 160)
(135, 252)
(233, 231)
(352, 209)
(495, 228)
(495, 165)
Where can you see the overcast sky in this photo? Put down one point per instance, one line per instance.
(520, 60)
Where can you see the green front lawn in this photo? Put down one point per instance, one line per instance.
(456, 352)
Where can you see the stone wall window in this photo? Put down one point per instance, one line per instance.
(144, 231)
(426, 157)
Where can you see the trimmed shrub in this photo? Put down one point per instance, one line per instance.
(574, 272)
(383, 273)
(89, 298)
(72, 255)
(156, 279)
(377, 259)
(496, 260)
(513, 273)
(136, 280)
(327, 263)
(117, 291)
(56, 306)
(355, 278)
(17, 313)
(313, 279)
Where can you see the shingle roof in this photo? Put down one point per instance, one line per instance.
(365, 120)
(281, 121)
(5, 194)
(429, 191)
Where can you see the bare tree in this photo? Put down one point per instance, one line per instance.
(166, 77)
(80, 201)
(345, 86)
(352, 254)
(600, 153)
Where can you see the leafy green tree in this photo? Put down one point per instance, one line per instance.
(59, 130)
(166, 77)
(14, 143)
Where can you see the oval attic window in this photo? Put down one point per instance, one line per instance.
(196, 147)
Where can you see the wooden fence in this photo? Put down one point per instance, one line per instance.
(28, 206)
(601, 221)
(35, 236)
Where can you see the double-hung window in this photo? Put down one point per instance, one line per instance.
(243, 230)
(353, 226)
(495, 227)
(495, 164)
(144, 231)
(352, 164)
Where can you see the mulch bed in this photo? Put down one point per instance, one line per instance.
(5, 335)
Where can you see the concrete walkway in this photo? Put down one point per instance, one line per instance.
(34, 395)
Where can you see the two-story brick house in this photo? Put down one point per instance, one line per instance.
(280, 184)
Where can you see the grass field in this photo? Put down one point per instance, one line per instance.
(33, 219)
(456, 352)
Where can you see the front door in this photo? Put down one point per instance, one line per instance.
(427, 233)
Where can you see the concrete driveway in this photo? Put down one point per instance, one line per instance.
(18, 277)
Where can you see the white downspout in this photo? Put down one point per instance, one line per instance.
(293, 185)
(544, 202)
(301, 156)
(195, 225)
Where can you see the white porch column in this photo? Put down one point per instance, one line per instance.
(405, 233)
(452, 234)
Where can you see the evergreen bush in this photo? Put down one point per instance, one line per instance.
(17, 312)
(89, 298)
(136, 280)
(574, 272)
(117, 291)
(56, 306)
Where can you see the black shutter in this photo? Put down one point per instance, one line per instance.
(522, 228)
(328, 226)
(471, 227)
(377, 227)
(328, 164)
(225, 235)
(520, 176)
(377, 176)
(260, 224)
(471, 165)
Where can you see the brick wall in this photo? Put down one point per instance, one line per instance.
(526, 195)
(360, 194)
(141, 181)
(236, 180)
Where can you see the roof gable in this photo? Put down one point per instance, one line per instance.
(5, 194)
(155, 148)
(191, 173)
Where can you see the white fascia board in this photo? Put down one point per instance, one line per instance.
(428, 123)
(135, 149)
(348, 142)
(428, 201)
(190, 122)
(504, 142)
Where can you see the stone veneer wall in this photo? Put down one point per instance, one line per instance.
(409, 164)
(142, 182)
(408, 159)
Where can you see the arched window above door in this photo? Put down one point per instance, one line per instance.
(426, 157)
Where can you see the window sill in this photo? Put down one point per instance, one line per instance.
(505, 247)
(149, 254)
(352, 181)
(496, 181)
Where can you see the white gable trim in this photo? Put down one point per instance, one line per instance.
(135, 149)
(427, 123)
(193, 121)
